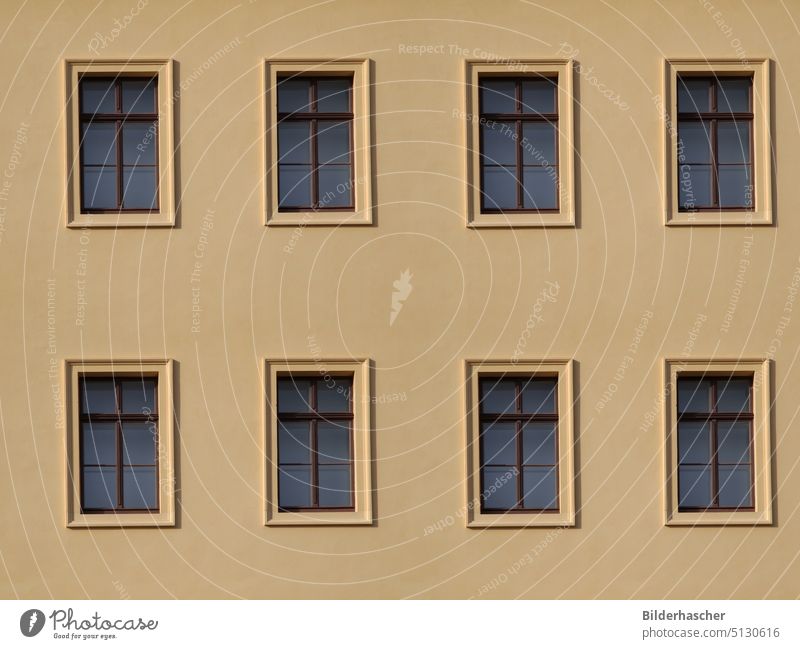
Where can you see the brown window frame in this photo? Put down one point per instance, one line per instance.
(119, 118)
(517, 118)
(313, 417)
(313, 116)
(712, 117)
(713, 417)
(118, 418)
(519, 418)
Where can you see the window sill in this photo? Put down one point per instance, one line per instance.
(328, 217)
(293, 519)
(679, 519)
(478, 520)
(522, 220)
(739, 218)
(123, 220)
(161, 519)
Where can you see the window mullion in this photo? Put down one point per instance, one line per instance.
(118, 426)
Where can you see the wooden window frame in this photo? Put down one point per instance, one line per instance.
(313, 117)
(74, 371)
(360, 211)
(313, 417)
(562, 372)
(359, 371)
(165, 213)
(761, 212)
(713, 417)
(118, 118)
(519, 418)
(565, 214)
(518, 118)
(759, 370)
(118, 419)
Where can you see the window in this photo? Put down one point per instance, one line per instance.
(120, 143)
(520, 143)
(715, 126)
(120, 443)
(315, 441)
(315, 170)
(318, 459)
(717, 119)
(318, 160)
(718, 434)
(520, 453)
(119, 140)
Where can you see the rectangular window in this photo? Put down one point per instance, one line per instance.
(119, 144)
(519, 143)
(119, 140)
(315, 443)
(715, 438)
(520, 444)
(519, 433)
(119, 443)
(318, 462)
(315, 142)
(715, 143)
(717, 457)
(120, 455)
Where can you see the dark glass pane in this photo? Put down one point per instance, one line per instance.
(294, 442)
(294, 142)
(735, 186)
(539, 443)
(539, 144)
(333, 395)
(539, 96)
(498, 96)
(539, 396)
(333, 142)
(499, 188)
(499, 488)
(733, 439)
(334, 186)
(694, 142)
(694, 395)
(138, 96)
(138, 396)
(333, 95)
(97, 96)
(694, 95)
(99, 442)
(733, 395)
(734, 487)
(294, 395)
(733, 95)
(539, 488)
(540, 188)
(294, 486)
(139, 143)
(333, 442)
(99, 488)
(139, 440)
(733, 142)
(498, 396)
(695, 186)
(499, 146)
(139, 487)
(334, 486)
(139, 188)
(498, 443)
(694, 485)
(99, 144)
(294, 95)
(99, 397)
(100, 188)
(694, 442)
(294, 185)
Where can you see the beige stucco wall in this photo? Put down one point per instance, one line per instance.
(473, 293)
